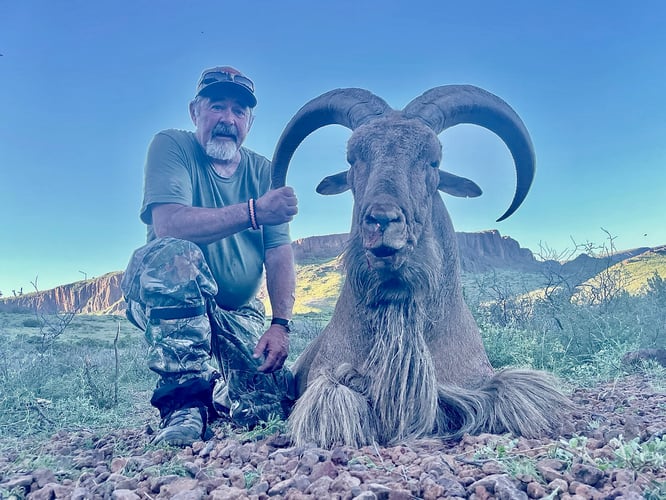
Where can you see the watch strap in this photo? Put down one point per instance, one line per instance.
(282, 322)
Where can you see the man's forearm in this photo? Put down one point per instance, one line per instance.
(281, 280)
(199, 225)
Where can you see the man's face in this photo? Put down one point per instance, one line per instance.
(222, 125)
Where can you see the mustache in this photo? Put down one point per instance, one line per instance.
(224, 129)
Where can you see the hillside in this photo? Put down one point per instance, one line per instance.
(319, 273)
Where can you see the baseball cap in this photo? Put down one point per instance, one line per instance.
(225, 80)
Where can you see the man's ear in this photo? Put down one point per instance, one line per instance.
(193, 115)
(334, 184)
(458, 186)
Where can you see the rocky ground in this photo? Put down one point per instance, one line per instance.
(615, 451)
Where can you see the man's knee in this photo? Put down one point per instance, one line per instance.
(168, 272)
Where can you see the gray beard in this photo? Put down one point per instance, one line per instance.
(223, 150)
(402, 388)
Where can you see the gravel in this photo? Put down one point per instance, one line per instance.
(613, 450)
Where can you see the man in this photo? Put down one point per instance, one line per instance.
(214, 225)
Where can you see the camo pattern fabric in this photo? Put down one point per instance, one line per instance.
(169, 279)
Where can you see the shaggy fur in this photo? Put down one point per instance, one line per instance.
(402, 357)
(383, 403)
(334, 410)
(523, 402)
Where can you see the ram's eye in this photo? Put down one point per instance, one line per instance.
(434, 164)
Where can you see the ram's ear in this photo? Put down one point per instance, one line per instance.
(458, 186)
(334, 184)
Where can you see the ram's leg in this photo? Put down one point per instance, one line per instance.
(523, 402)
(527, 403)
(334, 410)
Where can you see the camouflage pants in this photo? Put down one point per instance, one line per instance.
(170, 292)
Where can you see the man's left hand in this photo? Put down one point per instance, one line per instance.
(274, 345)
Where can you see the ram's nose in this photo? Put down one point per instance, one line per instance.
(380, 217)
(384, 227)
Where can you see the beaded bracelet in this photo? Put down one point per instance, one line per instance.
(253, 214)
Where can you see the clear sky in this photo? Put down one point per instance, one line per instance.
(84, 85)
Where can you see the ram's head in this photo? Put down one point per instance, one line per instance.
(395, 157)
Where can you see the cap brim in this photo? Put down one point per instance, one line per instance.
(224, 89)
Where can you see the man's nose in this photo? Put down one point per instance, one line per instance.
(226, 116)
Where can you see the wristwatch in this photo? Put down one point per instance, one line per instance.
(282, 322)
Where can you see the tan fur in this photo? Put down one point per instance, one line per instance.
(333, 410)
(403, 409)
(402, 356)
(523, 402)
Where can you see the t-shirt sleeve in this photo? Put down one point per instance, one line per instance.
(275, 236)
(166, 176)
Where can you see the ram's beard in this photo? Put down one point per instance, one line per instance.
(403, 383)
(398, 310)
(417, 281)
(221, 149)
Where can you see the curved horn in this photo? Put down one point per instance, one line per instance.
(449, 105)
(347, 107)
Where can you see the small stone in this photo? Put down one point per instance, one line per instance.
(259, 488)
(18, 482)
(452, 487)
(278, 441)
(622, 477)
(323, 469)
(506, 489)
(320, 487)
(180, 485)
(80, 493)
(43, 476)
(558, 485)
(281, 487)
(552, 463)
(549, 474)
(339, 457)
(227, 492)
(587, 491)
(122, 494)
(587, 474)
(400, 494)
(492, 467)
(344, 482)
(236, 477)
(309, 458)
(118, 464)
(49, 491)
(535, 490)
(365, 495)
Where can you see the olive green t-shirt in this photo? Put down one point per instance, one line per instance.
(179, 171)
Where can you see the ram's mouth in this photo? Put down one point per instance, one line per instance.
(383, 251)
(384, 257)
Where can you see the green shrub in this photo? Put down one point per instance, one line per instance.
(32, 323)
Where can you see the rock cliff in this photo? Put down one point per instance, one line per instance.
(479, 252)
(487, 250)
(94, 296)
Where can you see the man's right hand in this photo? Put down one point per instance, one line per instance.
(276, 207)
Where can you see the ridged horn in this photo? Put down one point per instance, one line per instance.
(449, 105)
(347, 107)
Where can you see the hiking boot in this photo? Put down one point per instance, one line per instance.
(182, 427)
